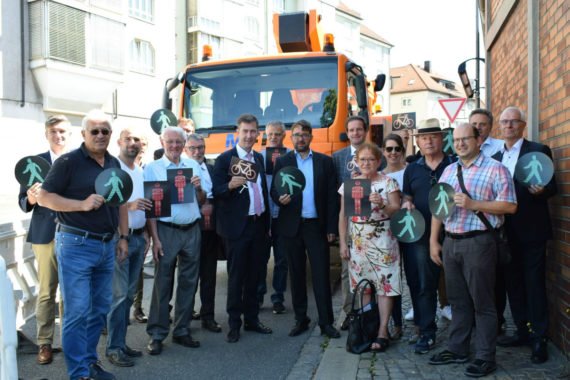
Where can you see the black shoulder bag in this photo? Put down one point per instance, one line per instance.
(499, 235)
(363, 323)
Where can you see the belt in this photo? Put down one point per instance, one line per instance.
(309, 220)
(86, 234)
(254, 218)
(136, 231)
(466, 235)
(183, 227)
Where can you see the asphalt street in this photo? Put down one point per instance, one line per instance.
(255, 356)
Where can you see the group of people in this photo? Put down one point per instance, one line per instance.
(95, 251)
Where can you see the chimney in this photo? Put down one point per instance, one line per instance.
(427, 66)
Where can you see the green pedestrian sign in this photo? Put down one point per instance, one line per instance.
(30, 170)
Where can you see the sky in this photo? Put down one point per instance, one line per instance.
(440, 31)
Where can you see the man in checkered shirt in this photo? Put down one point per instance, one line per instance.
(470, 251)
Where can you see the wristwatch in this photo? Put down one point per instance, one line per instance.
(125, 237)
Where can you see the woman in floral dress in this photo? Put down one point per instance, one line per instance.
(373, 252)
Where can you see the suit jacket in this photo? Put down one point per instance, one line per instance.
(232, 207)
(324, 179)
(531, 222)
(339, 158)
(42, 225)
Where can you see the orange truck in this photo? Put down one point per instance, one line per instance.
(306, 80)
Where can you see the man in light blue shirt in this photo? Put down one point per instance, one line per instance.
(175, 238)
(482, 119)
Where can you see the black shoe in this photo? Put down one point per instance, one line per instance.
(344, 325)
(186, 341)
(233, 336)
(97, 372)
(512, 341)
(539, 352)
(480, 368)
(154, 347)
(330, 331)
(257, 327)
(132, 353)
(195, 316)
(447, 357)
(119, 359)
(300, 327)
(139, 315)
(213, 326)
(278, 308)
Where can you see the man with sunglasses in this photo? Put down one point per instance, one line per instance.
(85, 243)
(527, 231)
(422, 274)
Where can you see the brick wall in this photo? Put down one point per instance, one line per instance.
(508, 65)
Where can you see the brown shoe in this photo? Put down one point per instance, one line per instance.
(45, 355)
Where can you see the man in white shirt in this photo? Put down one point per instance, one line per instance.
(126, 273)
(482, 119)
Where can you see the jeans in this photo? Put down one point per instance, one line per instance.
(125, 281)
(422, 275)
(279, 268)
(85, 274)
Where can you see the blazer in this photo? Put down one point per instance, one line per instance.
(324, 179)
(531, 222)
(232, 207)
(42, 225)
(339, 158)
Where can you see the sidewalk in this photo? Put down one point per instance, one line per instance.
(399, 361)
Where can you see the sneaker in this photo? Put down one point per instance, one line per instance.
(98, 373)
(447, 357)
(410, 315)
(424, 344)
(278, 308)
(446, 312)
(480, 368)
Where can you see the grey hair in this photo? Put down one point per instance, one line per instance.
(178, 130)
(512, 108)
(96, 115)
(276, 123)
(195, 137)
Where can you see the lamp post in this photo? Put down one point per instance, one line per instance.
(463, 72)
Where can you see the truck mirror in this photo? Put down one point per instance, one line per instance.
(361, 91)
(343, 137)
(379, 82)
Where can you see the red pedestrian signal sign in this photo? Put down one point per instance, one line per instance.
(451, 107)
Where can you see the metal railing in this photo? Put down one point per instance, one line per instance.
(8, 334)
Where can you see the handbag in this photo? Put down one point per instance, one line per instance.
(499, 235)
(363, 323)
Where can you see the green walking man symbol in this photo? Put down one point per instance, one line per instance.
(448, 140)
(409, 224)
(33, 169)
(443, 198)
(115, 182)
(289, 180)
(164, 120)
(534, 165)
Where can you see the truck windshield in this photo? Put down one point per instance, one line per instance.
(286, 90)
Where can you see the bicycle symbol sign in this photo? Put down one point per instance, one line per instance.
(403, 121)
(242, 168)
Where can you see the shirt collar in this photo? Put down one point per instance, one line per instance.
(166, 162)
(310, 155)
(352, 150)
(477, 162)
(241, 152)
(515, 148)
(83, 149)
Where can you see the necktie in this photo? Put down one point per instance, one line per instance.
(256, 193)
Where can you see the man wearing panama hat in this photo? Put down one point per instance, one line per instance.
(421, 273)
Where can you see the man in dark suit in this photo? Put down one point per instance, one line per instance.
(243, 221)
(195, 149)
(527, 230)
(40, 235)
(309, 222)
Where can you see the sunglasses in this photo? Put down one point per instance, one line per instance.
(95, 132)
(389, 149)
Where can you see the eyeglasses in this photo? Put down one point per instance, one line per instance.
(367, 160)
(389, 149)
(199, 147)
(103, 131)
(462, 139)
(513, 121)
(301, 135)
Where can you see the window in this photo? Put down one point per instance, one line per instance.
(141, 9)
(251, 28)
(278, 6)
(66, 33)
(107, 51)
(214, 42)
(406, 102)
(142, 57)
